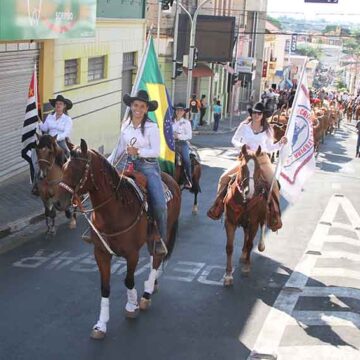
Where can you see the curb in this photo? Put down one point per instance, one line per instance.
(14, 227)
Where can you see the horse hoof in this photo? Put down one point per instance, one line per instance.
(261, 247)
(245, 270)
(144, 303)
(228, 281)
(132, 314)
(195, 210)
(72, 224)
(97, 334)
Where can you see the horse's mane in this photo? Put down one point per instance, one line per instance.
(47, 141)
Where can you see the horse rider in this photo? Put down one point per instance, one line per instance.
(57, 123)
(182, 133)
(140, 145)
(255, 131)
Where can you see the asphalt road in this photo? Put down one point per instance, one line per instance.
(50, 297)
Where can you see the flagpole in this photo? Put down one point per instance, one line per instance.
(292, 116)
(134, 88)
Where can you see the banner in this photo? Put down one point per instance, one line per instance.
(47, 19)
(297, 161)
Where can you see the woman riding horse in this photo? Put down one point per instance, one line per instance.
(58, 124)
(182, 133)
(253, 132)
(140, 145)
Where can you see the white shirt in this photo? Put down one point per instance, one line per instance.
(148, 144)
(182, 128)
(61, 127)
(245, 135)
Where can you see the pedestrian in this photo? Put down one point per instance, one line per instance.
(182, 134)
(194, 111)
(358, 139)
(203, 107)
(217, 114)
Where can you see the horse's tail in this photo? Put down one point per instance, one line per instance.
(172, 239)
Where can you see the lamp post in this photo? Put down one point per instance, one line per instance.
(193, 20)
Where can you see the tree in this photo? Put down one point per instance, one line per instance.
(309, 51)
(329, 28)
(274, 21)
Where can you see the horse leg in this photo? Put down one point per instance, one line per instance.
(50, 214)
(70, 214)
(261, 245)
(103, 261)
(251, 231)
(150, 285)
(195, 206)
(132, 306)
(230, 235)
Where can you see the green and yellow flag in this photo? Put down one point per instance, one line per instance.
(151, 80)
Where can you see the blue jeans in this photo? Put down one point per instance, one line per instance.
(151, 169)
(216, 121)
(183, 148)
(195, 117)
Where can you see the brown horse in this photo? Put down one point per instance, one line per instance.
(51, 158)
(245, 206)
(180, 177)
(120, 224)
(357, 112)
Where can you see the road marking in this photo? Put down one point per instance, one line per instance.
(323, 352)
(335, 272)
(282, 312)
(331, 290)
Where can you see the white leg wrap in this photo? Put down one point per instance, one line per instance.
(150, 282)
(104, 315)
(132, 303)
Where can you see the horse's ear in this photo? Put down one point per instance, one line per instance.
(244, 150)
(258, 151)
(83, 147)
(54, 137)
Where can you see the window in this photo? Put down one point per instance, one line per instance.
(96, 68)
(71, 72)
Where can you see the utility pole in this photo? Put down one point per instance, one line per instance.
(193, 20)
(176, 30)
(158, 28)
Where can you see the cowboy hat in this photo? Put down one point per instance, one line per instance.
(67, 102)
(258, 108)
(141, 95)
(180, 106)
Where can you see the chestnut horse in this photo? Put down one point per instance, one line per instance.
(195, 179)
(245, 206)
(51, 158)
(120, 224)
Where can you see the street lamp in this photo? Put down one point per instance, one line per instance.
(193, 20)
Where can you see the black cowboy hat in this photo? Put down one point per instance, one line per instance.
(180, 105)
(67, 102)
(258, 108)
(141, 95)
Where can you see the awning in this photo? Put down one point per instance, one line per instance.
(201, 70)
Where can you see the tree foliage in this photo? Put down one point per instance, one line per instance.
(309, 51)
(274, 21)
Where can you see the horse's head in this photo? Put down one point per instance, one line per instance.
(249, 171)
(46, 151)
(77, 176)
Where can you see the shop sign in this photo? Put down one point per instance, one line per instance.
(264, 69)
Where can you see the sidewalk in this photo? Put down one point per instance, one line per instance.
(18, 207)
(225, 126)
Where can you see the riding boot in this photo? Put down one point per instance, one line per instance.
(35, 189)
(217, 209)
(161, 222)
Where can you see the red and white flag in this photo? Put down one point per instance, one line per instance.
(30, 126)
(297, 161)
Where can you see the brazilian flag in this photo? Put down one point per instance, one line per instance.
(151, 80)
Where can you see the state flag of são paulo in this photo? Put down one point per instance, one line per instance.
(297, 161)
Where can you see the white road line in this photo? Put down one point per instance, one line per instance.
(323, 352)
(336, 272)
(342, 239)
(339, 255)
(282, 311)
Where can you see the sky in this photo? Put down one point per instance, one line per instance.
(346, 10)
